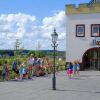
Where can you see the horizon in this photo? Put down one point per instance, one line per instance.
(33, 50)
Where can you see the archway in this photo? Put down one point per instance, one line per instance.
(91, 59)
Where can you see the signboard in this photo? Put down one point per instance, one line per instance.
(96, 41)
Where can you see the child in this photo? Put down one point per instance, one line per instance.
(25, 70)
(3, 74)
(69, 69)
(74, 68)
(21, 71)
(78, 68)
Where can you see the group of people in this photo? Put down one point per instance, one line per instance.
(28, 68)
(73, 69)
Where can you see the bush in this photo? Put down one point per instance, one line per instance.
(12, 74)
(61, 67)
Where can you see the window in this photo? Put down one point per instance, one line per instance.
(95, 30)
(80, 30)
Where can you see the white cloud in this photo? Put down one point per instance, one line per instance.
(57, 21)
(24, 27)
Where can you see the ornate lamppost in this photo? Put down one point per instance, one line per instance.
(54, 45)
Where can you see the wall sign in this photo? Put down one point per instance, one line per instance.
(98, 43)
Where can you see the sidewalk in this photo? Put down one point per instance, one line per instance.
(87, 87)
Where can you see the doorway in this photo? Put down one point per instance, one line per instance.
(91, 59)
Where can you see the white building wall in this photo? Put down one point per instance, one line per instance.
(76, 46)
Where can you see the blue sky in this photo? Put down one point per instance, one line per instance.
(39, 8)
(32, 21)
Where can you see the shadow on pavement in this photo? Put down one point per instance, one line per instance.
(61, 90)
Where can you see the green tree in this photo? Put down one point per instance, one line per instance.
(31, 52)
(16, 47)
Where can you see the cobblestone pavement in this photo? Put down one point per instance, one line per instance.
(85, 87)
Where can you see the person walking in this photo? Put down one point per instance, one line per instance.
(74, 68)
(5, 72)
(69, 69)
(15, 68)
(30, 64)
(21, 69)
(78, 68)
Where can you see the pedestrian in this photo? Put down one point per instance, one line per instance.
(78, 68)
(15, 68)
(5, 72)
(69, 69)
(74, 68)
(25, 70)
(21, 69)
(30, 65)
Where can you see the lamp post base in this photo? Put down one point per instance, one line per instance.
(54, 83)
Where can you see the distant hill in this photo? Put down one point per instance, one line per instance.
(46, 52)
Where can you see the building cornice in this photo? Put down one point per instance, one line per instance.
(83, 9)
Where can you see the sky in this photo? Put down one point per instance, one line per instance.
(33, 22)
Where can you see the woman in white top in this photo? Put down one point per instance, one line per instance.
(30, 64)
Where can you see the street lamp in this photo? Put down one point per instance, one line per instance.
(54, 41)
